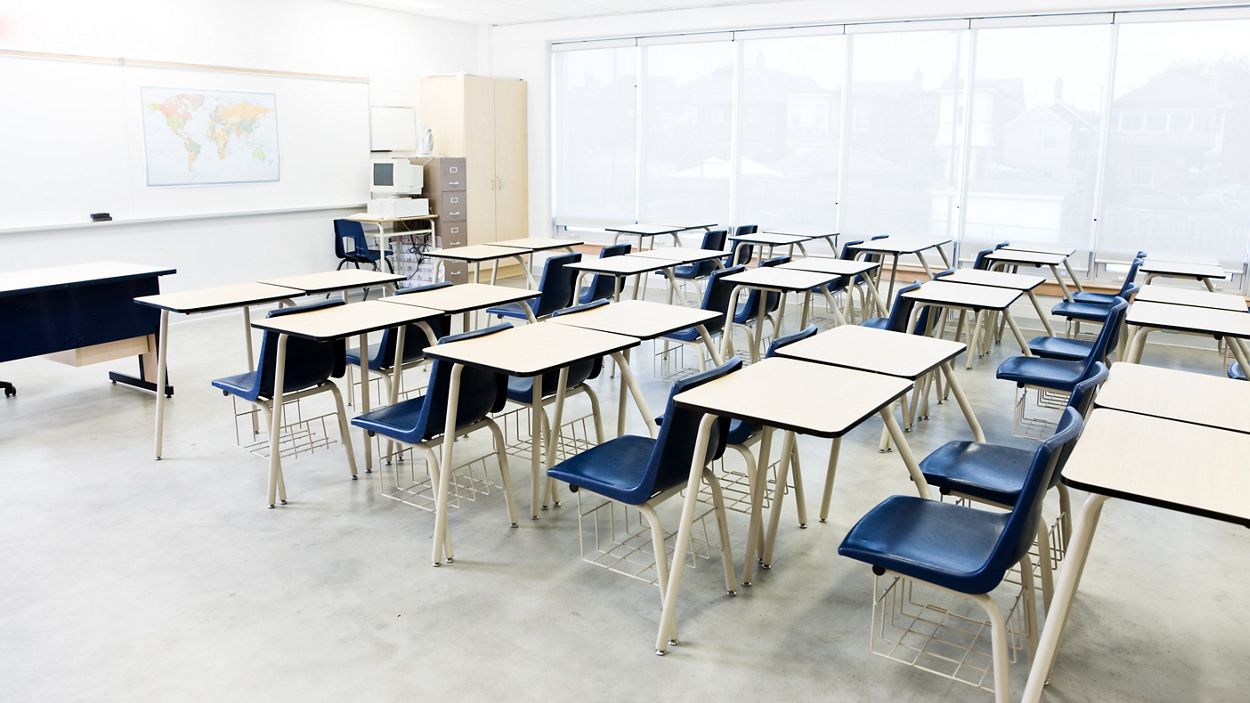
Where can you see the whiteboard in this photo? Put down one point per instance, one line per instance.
(392, 128)
(73, 143)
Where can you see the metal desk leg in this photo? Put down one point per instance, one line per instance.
(162, 359)
(1207, 282)
(838, 318)
(904, 450)
(758, 337)
(1067, 265)
(893, 277)
(1015, 331)
(442, 536)
(627, 378)
(536, 436)
(779, 490)
(1138, 345)
(672, 284)
(924, 265)
(831, 471)
(727, 332)
(1067, 294)
(553, 437)
(942, 253)
(251, 363)
(620, 396)
(1041, 314)
(362, 341)
(949, 372)
(707, 342)
(276, 482)
(758, 487)
(1065, 591)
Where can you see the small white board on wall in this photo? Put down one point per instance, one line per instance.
(392, 128)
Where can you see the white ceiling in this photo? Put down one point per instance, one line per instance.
(518, 11)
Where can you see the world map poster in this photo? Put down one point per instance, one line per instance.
(200, 137)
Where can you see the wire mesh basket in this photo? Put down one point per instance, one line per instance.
(299, 433)
(617, 537)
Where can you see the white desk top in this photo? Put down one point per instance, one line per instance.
(626, 265)
(220, 298)
(1165, 463)
(901, 245)
(532, 349)
(463, 297)
(1184, 258)
(327, 281)
(828, 264)
(639, 318)
(682, 255)
(345, 320)
(474, 252)
(537, 243)
(1184, 318)
(1188, 296)
(816, 399)
(880, 351)
(1183, 268)
(1032, 258)
(378, 219)
(1042, 248)
(963, 295)
(773, 238)
(650, 230)
(1195, 398)
(997, 279)
(779, 279)
(805, 235)
(31, 280)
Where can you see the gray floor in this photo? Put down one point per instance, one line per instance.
(129, 579)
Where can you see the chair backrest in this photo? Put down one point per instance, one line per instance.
(718, 295)
(308, 363)
(603, 287)
(712, 239)
(1109, 335)
(1130, 277)
(771, 301)
(415, 339)
(482, 391)
(1021, 527)
(349, 238)
(1002, 245)
(900, 313)
(981, 262)
(750, 428)
(741, 255)
(556, 287)
(581, 371)
(746, 229)
(674, 445)
(1081, 401)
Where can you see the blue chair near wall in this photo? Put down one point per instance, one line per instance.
(698, 271)
(1074, 349)
(900, 311)
(965, 550)
(555, 291)
(1084, 296)
(352, 247)
(603, 287)
(1061, 374)
(716, 297)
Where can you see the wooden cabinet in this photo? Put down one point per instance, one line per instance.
(483, 120)
(446, 187)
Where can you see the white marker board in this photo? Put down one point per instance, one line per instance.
(392, 128)
(74, 143)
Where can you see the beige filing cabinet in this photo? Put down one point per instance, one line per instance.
(445, 188)
(483, 120)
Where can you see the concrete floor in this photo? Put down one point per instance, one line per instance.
(129, 579)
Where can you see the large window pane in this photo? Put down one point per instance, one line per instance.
(789, 126)
(1178, 160)
(687, 109)
(595, 135)
(903, 140)
(1036, 114)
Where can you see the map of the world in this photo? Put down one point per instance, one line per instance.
(197, 137)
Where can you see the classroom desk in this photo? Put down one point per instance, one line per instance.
(622, 267)
(466, 298)
(771, 240)
(329, 324)
(85, 310)
(1164, 463)
(908, 356)
(1001, 279)
(684, 255)
(773, 279)
(644, 320)
(386, 240)
(753, 393)
(1204, 322)
(842, 267)
(530, 351)
(977, 299)
(1051, 260)
(477, 253)
(1192, 298)
(1202, 271)
(830, 238)
(896, 246)
(242, 295)
(1195, 398)
(533, 244)
(335, 281)
(645, 231)
(1066, 252)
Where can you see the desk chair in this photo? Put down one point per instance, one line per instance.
(555, 290)
(713, 239)
(964, 550)
(419, 422)
(746, 313)
(900, 311)
(995, 474)
(983, 264)
(1071, 347)
(603, 287)
(382, 354)
(1092, 307)
(642, 472)
(1234, 372)
(843, 286)
(716, 297)
(310, 368)
(351, 246)
(1084, 296)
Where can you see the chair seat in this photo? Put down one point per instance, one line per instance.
(1061, 348)
(513, 310)
(740, 431)
(1235, 371)
(989, 472)
(942, 543)
(375, 363)
(689, 334)
(1084, 296)
(398, 421)
(243, 385)
(1047, 373)
(686, 272)
(614, 469)
(1082, 311)
(877, 323)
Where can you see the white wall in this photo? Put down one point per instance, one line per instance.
(522, 50)
(393, 50)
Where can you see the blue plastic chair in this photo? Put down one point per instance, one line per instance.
(603, 287)
(555, 291)
(965, 550)
(900, 311)
(642, 472)
(1236, 372)
(713, 239)
(352, 247)
(1073, 349)
(309, 370)
(746, 313)
(716, 297)
(741, 256)
(1130, 278)
(382, 355)
(420, 422)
